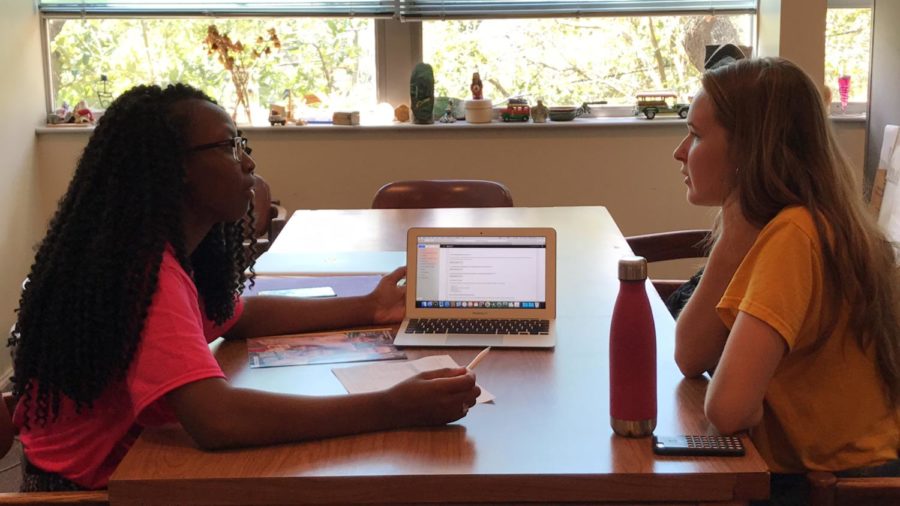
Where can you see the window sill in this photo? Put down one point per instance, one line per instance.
(606, 122)
(848, 118)
(436, 126)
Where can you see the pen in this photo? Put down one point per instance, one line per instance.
(478, 358)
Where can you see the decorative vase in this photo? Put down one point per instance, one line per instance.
(421, 94)
(539, 113)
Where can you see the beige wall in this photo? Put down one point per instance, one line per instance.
(629, 169)
(22, 97)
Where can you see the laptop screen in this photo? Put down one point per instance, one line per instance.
(496, 272)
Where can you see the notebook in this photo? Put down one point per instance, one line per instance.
(480, 287)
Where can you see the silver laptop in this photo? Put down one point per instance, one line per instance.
(480, 287)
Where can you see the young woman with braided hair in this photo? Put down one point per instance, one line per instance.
(142, 266)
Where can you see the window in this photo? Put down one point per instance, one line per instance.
(320, 55)
(320, 60)
(848, 35)
(567, 61)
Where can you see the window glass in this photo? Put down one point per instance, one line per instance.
(848, 35)
(567, 61)
(327, 59)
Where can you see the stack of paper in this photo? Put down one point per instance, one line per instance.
(374, 377)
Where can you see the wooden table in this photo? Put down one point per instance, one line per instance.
(547, 438)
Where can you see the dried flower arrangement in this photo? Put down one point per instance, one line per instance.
(238, 61)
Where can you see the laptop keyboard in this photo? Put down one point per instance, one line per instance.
(477, 326)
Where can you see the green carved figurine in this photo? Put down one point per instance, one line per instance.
(421, 94)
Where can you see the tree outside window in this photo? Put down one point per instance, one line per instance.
(330, 59)
(848, 34)
(575, 60)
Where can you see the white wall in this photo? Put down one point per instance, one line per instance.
(22, 98)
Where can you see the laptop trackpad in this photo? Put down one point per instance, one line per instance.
(476, 340)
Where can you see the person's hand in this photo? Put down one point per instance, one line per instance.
(388, 299)
(433, 397)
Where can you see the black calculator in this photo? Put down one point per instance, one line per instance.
(721, 446)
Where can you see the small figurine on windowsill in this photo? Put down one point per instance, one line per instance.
(60, 116)
(81, 114)
(476, 87)
(448, 116)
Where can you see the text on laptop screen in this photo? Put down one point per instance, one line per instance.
(483, 272)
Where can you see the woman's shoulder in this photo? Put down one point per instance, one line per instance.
(793, 219)
(172, 274)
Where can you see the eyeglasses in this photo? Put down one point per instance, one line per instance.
(238, 146)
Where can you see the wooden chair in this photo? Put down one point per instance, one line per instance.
(826, 489)
(432, 193)
(270, 215)
(7, 433)
(675, 245)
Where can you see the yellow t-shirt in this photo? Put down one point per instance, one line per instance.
(824, 410)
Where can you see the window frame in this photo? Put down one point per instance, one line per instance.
(398, 45)
(853, 108)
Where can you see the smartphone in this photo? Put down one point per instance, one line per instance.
(720, 446)
(308, 293)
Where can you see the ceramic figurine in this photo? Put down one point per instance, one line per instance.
(476, 87)
(448, 116)
(421, 94)
(540, 113)
(81, 113)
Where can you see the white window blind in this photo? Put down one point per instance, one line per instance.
(403, 9)
(371, 8)
(459, 9)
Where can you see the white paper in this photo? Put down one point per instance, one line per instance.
(889, 162)
(378, 376)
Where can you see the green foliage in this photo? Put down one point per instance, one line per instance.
(331, 58)
(563, 61)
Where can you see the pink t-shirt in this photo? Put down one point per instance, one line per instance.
(86, 448)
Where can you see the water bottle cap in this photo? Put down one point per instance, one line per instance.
(632, 268)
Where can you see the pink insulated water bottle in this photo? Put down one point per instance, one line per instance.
(632, 354)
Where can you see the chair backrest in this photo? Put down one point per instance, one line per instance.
(7, 430)
(675, 245)
(433, 193)
(7, 433)
(826, 489)
(270, 217)
(262, 200)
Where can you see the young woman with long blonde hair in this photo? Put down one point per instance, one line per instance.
(797, 311)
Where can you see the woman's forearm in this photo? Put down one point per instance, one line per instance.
(699, 333)
(269, 316)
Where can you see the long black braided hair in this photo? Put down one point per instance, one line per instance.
(84, 303)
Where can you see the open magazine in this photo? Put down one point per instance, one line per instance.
(324, 348)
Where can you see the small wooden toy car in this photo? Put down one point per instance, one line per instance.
(277, 115)
(516, 110)
(651, 103)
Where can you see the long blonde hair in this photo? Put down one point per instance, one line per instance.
(781, 138)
